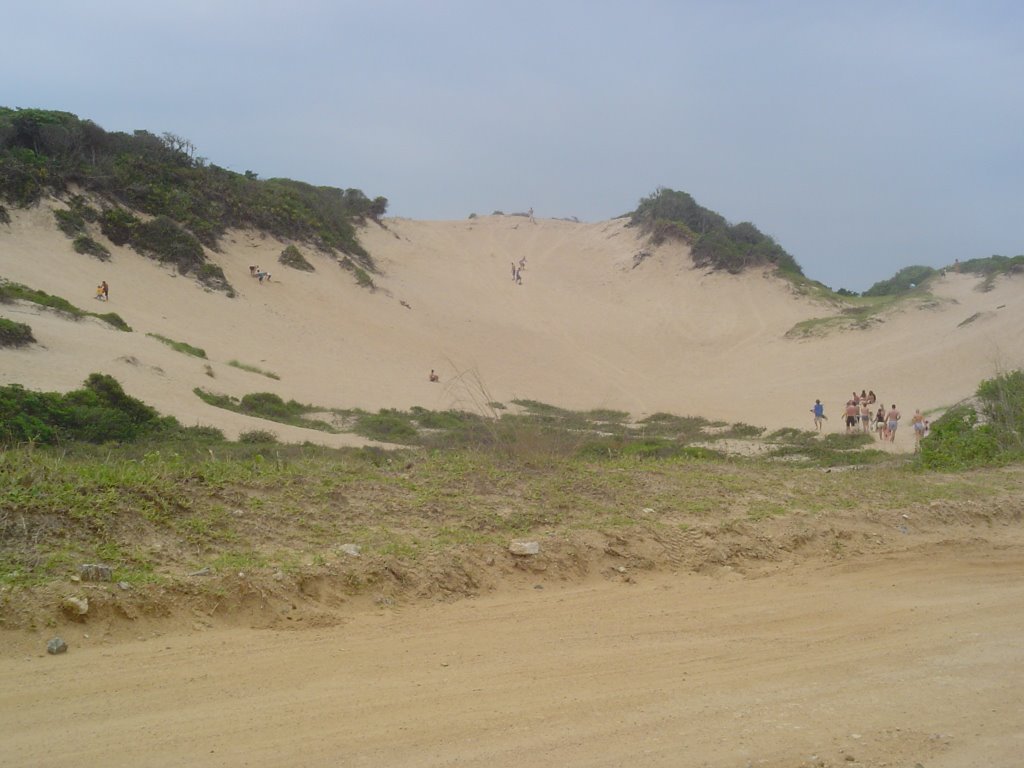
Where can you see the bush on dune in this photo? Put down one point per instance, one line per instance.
(99, 412)
(668, 214)
(904, 281)
(988, 430)
(43, 151)
(14, 334)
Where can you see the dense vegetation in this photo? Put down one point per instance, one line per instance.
(911, 278)
(714, 242)
(907, 279)
(14, 334)
(986, 431)
(97, 413)
(193, 202)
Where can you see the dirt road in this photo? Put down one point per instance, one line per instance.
(911, 658)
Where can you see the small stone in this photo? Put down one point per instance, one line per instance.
(523, 548)
(96, 572)
(279, 576)
(56, 645)
(124, 585)
(352, 550)
(201, 572)
(621, 569)
(75, 606)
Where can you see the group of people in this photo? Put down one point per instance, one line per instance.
(860, 416)
(103, 291)
(259, 274)
(517, 271)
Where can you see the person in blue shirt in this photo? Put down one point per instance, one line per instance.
(819, 414)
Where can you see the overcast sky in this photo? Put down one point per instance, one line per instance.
(863, 136)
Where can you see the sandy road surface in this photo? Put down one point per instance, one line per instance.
(913, 658)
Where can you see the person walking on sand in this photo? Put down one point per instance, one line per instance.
(918, 423)
(819, 414)
(106, 290)
(892, 420)
(865, 417)
(532, 220)
(880, 423)
(434, 376)
(852, 414)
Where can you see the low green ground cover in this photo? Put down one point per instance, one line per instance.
(15, 291)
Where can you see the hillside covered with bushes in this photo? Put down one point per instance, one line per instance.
(192, 202)
(714, 242)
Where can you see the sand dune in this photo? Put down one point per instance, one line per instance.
(588, 328)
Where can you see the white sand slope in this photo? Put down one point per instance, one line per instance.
(588, 328)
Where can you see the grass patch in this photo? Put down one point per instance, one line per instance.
(85, 244)
(254, 504)
(831, 450)
(15, 291)
(253, 369)
(179, 346)
(267, 405)
(292, 257)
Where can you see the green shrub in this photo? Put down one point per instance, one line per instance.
(253, 369)
(669, 214)
(990, 431)
(270, 405)
(163, 239)
(993, 265)
(257, 436)
(387, 426)
(85, 244)
(179, 346)
(114, 319)
(14, 334)
(362, 276)
(904, 281)
(69, 222)
(99, 412)
(957, 440)
(203, 432)
(292, 257)
(117, 225)
(212, 276)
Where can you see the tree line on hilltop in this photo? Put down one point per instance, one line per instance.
(714, 243)
(193, 202)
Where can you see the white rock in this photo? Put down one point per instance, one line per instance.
(524, 548)
(77, 606)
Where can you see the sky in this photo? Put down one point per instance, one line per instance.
(864, 137)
